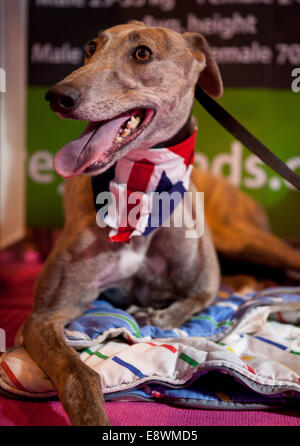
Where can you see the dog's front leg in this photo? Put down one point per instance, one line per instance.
(66, 286)
(204, 293)
(78, 386)
(180, 311)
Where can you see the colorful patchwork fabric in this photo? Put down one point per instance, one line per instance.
(242, 352)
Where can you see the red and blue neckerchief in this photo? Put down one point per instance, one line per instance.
(143, 172)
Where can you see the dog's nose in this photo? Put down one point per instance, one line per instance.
(63, 98)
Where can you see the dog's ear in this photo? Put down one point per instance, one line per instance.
(210, 78)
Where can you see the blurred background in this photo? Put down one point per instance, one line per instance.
(255, 42)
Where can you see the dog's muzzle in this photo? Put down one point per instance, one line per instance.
(63, 98)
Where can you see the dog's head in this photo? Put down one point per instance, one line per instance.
(136, 89)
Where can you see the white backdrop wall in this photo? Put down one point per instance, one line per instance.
(13, 14)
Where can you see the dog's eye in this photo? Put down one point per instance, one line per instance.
(92, 45)
(142, 54)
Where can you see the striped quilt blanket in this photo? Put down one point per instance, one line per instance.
(242, 352)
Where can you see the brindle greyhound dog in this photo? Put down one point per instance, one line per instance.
(155, 71)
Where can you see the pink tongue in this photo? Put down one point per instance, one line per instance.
(91, 146)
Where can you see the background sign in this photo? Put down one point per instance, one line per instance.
(257, 46)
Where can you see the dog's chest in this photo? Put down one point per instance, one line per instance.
(165, 273)
(157, 269)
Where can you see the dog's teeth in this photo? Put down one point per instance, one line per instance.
(133, 123)
(130, 126)
(125, 133)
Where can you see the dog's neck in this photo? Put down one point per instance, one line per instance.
(186, 130)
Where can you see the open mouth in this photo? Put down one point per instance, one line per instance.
(99, 142)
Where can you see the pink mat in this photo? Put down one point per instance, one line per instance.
(16, 285)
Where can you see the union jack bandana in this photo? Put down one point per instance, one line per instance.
(133, 209)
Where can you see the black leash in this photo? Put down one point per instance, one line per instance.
(246, 138)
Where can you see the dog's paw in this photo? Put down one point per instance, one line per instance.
(141, 315)
(166, 319)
